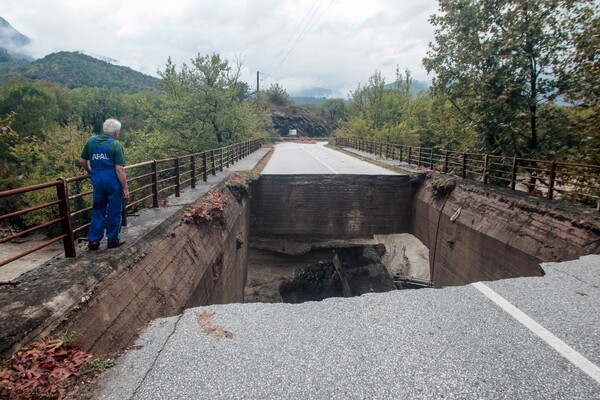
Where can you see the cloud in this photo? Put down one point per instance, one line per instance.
(299, 43)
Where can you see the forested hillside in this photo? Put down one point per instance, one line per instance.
(74, 70)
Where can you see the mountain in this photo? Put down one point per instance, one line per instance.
(317, 95)
(70, 69)
(301, 100)
(12, 42)
(73, 70)
(312, 92)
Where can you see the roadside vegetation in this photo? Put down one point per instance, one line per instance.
(510, 78)
(43, 125)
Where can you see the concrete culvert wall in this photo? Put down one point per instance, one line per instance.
(477, 233)
(470, 232)
(331, 206)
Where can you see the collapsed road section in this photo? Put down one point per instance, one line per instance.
(469, 233)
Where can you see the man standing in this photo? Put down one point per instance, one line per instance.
(107, 169)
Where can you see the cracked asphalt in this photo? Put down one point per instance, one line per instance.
(450, 343)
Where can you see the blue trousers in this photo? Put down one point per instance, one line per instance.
(107, 206)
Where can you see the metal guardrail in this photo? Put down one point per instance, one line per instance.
(544, 178)
(70, 205)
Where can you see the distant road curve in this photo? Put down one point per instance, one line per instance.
(298, 159)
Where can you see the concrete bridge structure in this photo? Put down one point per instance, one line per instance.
(467, 339)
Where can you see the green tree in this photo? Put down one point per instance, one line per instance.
(377, 111)
(335, 109)
(8, 140)
(45, 160)
(276, 94)
(203, 106)
(499, 62)
(94, 105)
(34, 106)
(581, 72)
(367, 102)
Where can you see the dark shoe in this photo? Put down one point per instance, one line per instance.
(112, 245)
(93, 245)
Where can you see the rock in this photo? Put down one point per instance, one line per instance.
(361, 271)
(306, 123)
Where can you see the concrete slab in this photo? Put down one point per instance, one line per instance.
(430, 343)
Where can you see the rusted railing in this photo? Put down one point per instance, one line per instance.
(150, 181)
(545, 178)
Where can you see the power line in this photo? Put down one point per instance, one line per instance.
(291, 37)
(302, 35)
(299, 38)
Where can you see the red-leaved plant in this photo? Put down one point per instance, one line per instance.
(209, 209)
(41, 370)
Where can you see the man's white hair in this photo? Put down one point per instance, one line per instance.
(110, 126)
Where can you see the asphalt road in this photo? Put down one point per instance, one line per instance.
(524, 338)
(296, 159)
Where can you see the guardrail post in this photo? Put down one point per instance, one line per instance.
(401, 153)
(204, 170)
(193, 170)
(228, 151)
(124, 213)
(177, 177)
(419, 160)
(409, 155)
(155, 184)
(221, 159)
(446, 156)
(552, 180)
(486, 162)
(464, 166)
(212, 163)
(513, 174)
(64, 209)
(431, 160)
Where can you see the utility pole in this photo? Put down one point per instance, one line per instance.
(257, 81)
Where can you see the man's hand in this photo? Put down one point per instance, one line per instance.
(84, 164)
(122, 179)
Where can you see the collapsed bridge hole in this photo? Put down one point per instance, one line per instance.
(293, 272)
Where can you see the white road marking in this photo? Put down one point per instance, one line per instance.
(564, 349)
(319, 160)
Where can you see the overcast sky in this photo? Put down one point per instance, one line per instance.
(334, 44)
